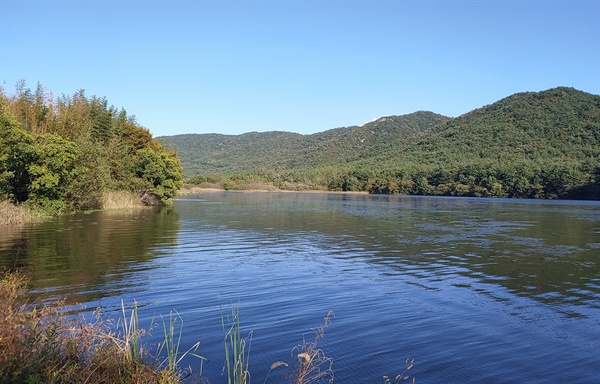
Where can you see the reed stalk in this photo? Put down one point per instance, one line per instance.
(237, 357)
(131, 333)
(172, 342)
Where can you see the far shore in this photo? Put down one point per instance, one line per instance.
(190, 190)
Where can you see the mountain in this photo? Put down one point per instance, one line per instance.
(530, 144)
(208, 154)
(557, 123)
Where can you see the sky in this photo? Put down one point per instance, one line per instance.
(232, 67)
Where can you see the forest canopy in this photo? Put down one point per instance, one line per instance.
(63, 154)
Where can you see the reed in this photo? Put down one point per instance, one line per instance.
(11, 214)
(120, 200)
(236, 355)
(130, 340)
(171, 343)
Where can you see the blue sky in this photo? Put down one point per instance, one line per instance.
(302, 66)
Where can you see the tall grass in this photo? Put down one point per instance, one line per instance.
(40, 343)
(237, 357)
(120, 200)
(172, 341)
(132, 333)
(313, 366)
(11, 214)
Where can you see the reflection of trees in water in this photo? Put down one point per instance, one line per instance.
(13, 245)
(89, 251)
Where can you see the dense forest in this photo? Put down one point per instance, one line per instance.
(528, 145)
(63, 154)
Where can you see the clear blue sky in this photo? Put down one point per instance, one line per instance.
(302, 66)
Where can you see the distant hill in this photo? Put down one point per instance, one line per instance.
(557, 123)
(226, 154)
(530, 144)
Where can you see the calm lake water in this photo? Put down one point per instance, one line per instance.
(475, 290)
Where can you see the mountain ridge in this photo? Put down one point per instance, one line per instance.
(528, 144)
(221, 152)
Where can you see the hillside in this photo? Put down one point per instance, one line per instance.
(531, 144)
(557, 123)
(206, 154)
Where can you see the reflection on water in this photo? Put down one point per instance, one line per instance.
(88, 254)
(476, 290)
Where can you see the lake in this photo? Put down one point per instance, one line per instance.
(475, 290)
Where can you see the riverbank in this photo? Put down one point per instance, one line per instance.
(189, 189)
(14, 215)
(40, 343)
(11, 214)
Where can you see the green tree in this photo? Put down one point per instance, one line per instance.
(37, 168)
(160, 175)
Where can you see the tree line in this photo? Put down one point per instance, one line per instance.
(62, 154)
(523, 179)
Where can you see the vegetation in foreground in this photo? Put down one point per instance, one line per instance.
(41, 343)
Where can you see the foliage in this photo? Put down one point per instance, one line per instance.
(65, 154)
(38, 168)
(270, 152)
(159, 172)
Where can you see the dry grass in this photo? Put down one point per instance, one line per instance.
(403, 376)
(189, 189)
(255, 187)
(120, 200)
(11, 214)
(41, 344)
(313, 365)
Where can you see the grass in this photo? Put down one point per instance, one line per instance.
(120, 200)
(11, 214)
(313, 366)
(237, 357)
(42, 343)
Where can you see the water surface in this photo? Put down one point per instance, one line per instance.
(476, 290)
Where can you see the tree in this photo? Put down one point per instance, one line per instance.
(36, 168)
(160, 175)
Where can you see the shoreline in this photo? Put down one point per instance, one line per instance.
(193, 190)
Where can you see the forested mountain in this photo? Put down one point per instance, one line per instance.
(560, 123)
(532, 144)
(206, 154)
(63, 154)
